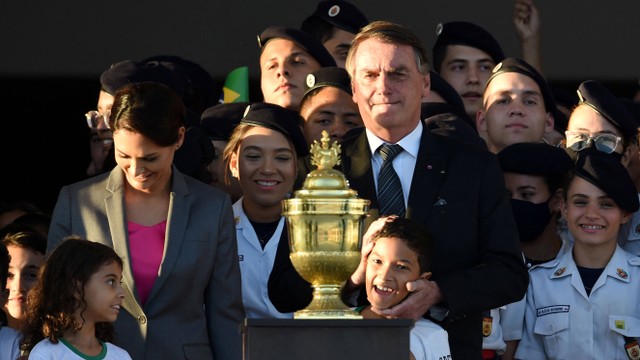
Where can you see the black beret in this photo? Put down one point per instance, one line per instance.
(277, 118)
(595, 95)
(515, 65)
(200, 80)
(307, 42)
(446, 91)
(218, 121)
(328, 76)
(609, 175)
(539, 159)
(448, 124)
(132, 72)
(341, 14)
(429, 109)
(469, 34)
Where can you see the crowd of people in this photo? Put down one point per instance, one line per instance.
(505, 212)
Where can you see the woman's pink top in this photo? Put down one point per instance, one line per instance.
(146, 244)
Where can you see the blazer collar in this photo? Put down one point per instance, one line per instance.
(179, 207)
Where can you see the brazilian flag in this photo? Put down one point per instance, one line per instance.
(236, 86)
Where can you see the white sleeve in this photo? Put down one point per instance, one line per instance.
(429, 341)
(512, 320)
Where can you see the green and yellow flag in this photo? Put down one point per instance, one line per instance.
(236, 86)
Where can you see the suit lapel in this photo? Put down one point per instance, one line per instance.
(179, 205)
(357, 169)
(428, 176)
(115, 206)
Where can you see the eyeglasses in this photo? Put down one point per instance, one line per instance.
(101, 141)
(94, 118)
(576, 140)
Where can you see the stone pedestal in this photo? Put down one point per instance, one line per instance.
(319, 339)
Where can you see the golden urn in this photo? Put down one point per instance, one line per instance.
(325, 221)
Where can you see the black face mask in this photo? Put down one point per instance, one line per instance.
(531, 218)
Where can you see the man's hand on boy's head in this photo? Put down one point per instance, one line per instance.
(359, 276)
(375, 228)
(423, 295)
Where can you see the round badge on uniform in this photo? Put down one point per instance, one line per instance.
(439, 28)
(334, 11)
(311, 80)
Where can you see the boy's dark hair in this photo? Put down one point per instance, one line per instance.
(53, 301)
(414, 235)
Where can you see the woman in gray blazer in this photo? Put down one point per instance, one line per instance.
(174, 233)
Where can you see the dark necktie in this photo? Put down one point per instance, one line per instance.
(390, 195)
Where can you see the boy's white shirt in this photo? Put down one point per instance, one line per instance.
(429, 341)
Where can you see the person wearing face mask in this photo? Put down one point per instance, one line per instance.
(534, 174)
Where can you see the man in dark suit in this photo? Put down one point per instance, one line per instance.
(456, 190)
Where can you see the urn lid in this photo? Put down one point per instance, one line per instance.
(325, 181)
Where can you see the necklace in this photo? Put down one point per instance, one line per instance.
(264, 231)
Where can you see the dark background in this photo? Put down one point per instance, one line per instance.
(52, 54)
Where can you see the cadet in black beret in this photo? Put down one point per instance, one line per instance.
(280, 119)
(611, 128)
(518, 106)
(609, 175)
(200, 90)
(130, 72)
(520, 66)
(301, 38)
(115, 77)
(287, 56)
(464, 54)
(263, 153)
(464, 33)
(196, 152)
(534, 175)
(218, 122)
(334, 23)
(328, 105)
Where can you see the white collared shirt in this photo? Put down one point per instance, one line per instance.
(563, 322)
(404, 163)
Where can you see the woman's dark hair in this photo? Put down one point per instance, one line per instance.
(53, 302)
(151, 109)
(26, 238)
